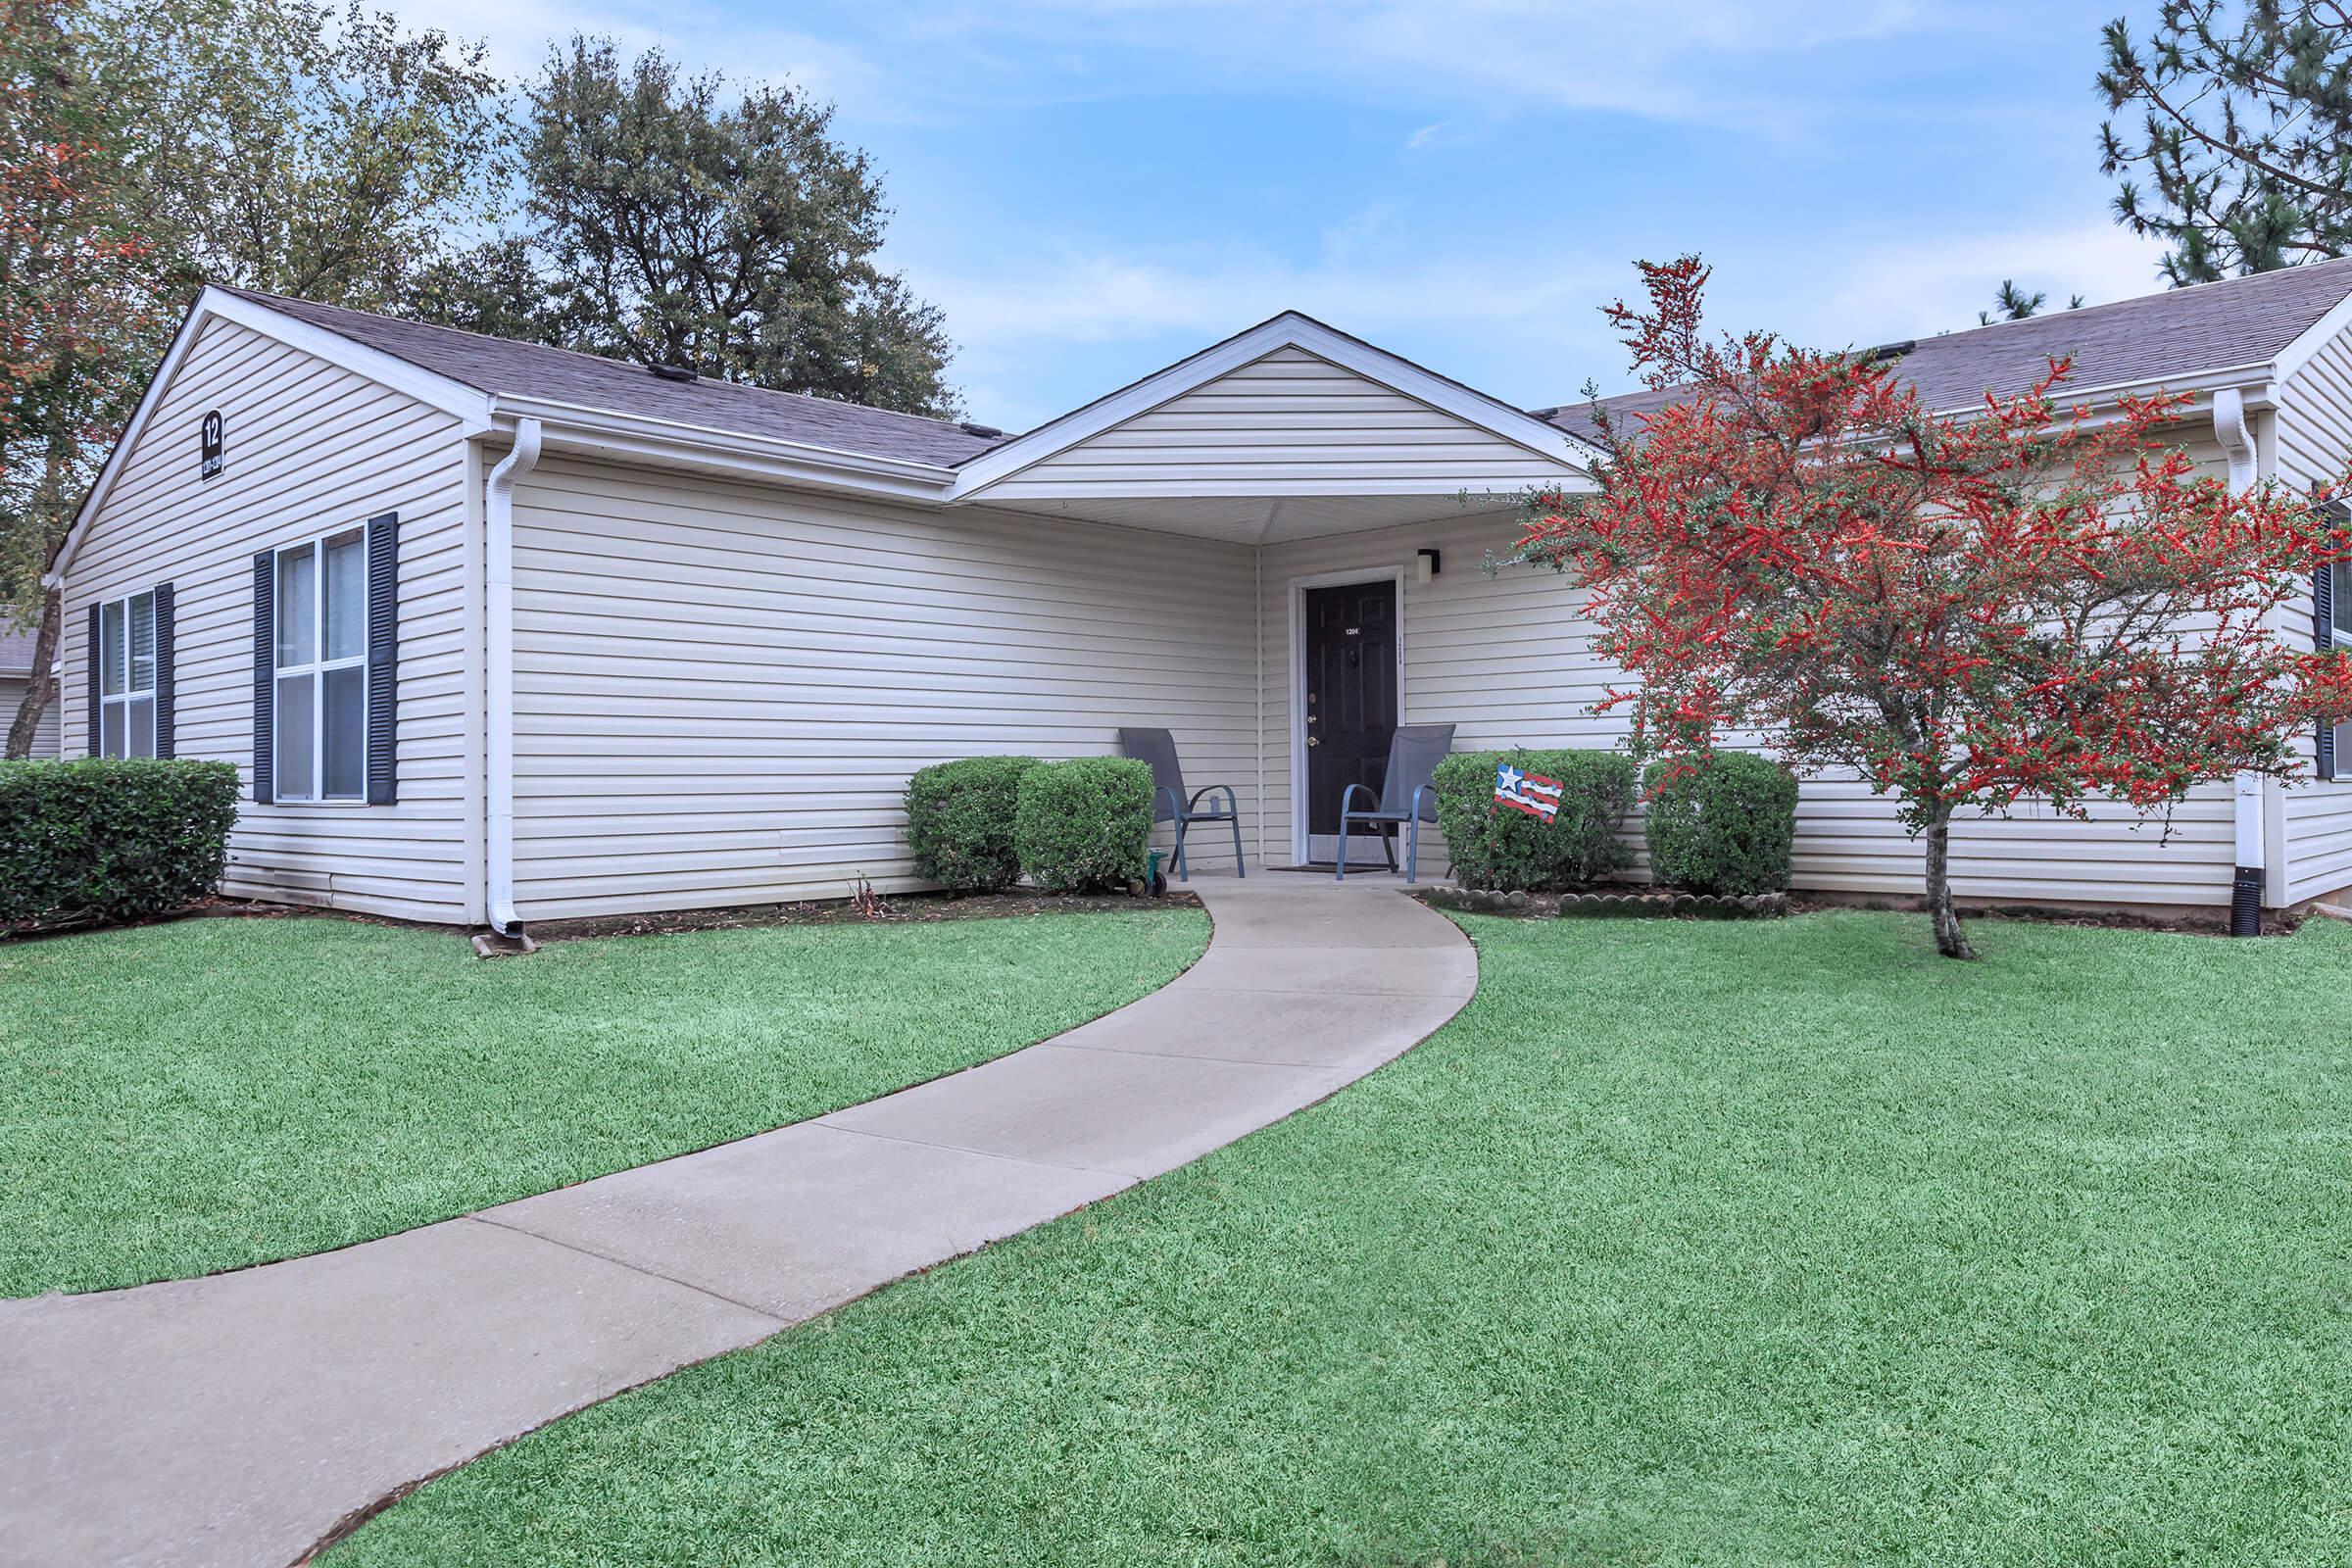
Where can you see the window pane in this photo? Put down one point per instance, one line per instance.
(110, 642)
(110, 730)
(297, 607)
(346, 597)
(291, 765)
(346, 733)
(142, 727)
(142, 647)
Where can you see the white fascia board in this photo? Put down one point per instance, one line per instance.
(2314, 339)
(1287, 331)
(628, 438)
(2255, 380)
(470, 406)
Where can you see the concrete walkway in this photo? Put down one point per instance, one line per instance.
(245, 1417)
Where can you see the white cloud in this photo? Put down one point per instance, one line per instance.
(1917, 287)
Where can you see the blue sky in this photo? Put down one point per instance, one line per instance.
(1092, 189)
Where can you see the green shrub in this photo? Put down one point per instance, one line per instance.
(959, 822)
(109, 838)
(1722, 825)
(1084, 823)
(1497, 848)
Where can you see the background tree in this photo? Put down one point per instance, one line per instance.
(75, 298)
(1965, 611)
(674, 224)
(150, 147)
(2244, 135)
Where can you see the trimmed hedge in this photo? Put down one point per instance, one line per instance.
(1723, 824)
(959, 822)
(110, 838)
(1494, 846)
(1084, 823)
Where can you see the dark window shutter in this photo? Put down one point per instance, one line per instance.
(384, 657)
(2323, 637)
(264, 614)
(163, 670)
(97, 653)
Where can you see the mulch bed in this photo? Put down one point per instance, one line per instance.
(903, 909)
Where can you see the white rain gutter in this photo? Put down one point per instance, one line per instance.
(2237, 440)
(499, 509)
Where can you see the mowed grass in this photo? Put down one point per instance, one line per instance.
(207, 1094)
(1783, 1242)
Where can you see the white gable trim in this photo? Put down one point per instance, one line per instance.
(470, 406)
(2315, 337)
(1287, 331)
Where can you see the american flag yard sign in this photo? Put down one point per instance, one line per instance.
(1538, 797)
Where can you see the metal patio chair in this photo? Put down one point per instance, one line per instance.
(1170, 802)
(1408, 796)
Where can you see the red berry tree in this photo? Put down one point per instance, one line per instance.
(2024, 601)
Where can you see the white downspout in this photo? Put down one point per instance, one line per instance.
(2245, 889)
(499, 510)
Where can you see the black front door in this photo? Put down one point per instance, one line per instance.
(1350, 693)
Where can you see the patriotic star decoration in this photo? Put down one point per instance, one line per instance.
(1507, 778)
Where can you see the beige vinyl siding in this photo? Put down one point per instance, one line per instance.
(720, 689)
(44, 733)
(310, 448)
(2312, 428)
(1290, 423)
(1507, 659)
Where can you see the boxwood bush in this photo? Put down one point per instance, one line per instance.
(1722, 824)
(1084, 823)
(109, 839)
(959, 822)
(1495, 847)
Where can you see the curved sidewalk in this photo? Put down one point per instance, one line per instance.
(244, 1418)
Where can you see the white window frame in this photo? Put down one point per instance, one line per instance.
(318, 667)
(128, 695)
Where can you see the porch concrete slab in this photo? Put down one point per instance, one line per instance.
(236, 1419)
(1096, 1109)
(1448, 971)
(797, 1221)
(1298, 1028)
(1328, 917)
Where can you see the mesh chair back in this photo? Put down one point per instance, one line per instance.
(1414, 752)
(1158, 748)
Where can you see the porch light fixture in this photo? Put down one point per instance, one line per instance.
(1425, 565)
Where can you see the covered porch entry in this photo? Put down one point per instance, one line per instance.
(1359, 498)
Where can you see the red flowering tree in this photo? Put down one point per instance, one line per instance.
(2025, 601)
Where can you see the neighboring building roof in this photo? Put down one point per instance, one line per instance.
(497, 365)
(16, 653)
(2177, 333)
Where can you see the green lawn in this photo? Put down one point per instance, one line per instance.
(207, 1094)
(1687, 1243)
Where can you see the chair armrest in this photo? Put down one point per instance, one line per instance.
(1231, 803)
(1420, 790)
(1175, 805)
(1349, 793)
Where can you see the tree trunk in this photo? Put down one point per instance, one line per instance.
(41, 690)
(1946, 920)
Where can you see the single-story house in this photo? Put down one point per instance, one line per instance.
(16, 674)
(501, 633)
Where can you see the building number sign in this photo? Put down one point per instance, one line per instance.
(212, 444)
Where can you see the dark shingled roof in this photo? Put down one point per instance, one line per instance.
(2180, 332)
(559, 376)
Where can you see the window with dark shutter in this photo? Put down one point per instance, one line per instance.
(264, 619)
(383, 657)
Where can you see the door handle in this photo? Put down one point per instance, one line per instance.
(1313, 741)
